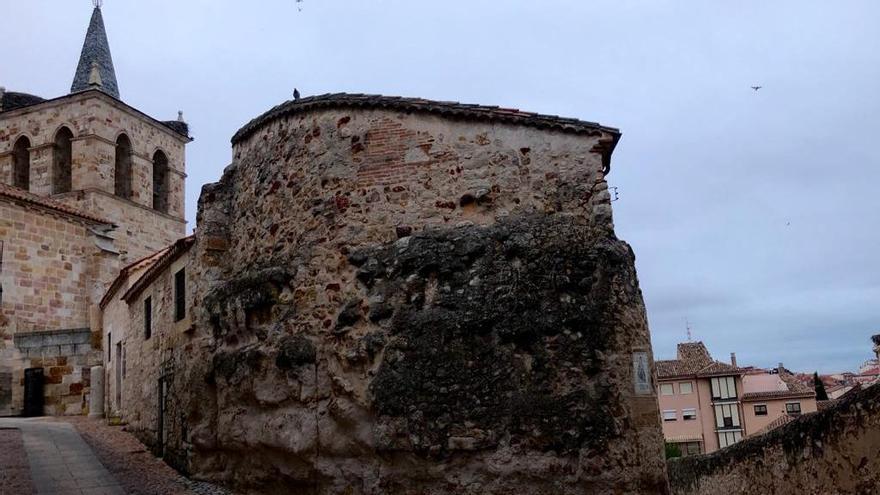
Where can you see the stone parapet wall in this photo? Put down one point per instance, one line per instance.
(834, 451)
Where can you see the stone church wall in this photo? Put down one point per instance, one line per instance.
(833, 451)
(402, 303)
(96, 121)
(49, 264)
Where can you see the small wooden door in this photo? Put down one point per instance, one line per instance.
(33, 392)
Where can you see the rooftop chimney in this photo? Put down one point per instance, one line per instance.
(733, 359)
(780, 369)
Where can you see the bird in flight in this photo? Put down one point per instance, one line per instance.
(756, 88)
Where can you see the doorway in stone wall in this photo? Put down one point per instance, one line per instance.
(119, 376)
(162, 431)
(33, 392)
(5, 393)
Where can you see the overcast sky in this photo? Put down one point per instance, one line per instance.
(754, 215)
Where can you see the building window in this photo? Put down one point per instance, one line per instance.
(669, 415)
(122, 177)
(724, 388)
(666, 389)
(160, 182)
(686, 388)
(727, 438)
(62, 164)
(689, 414)
(793, 408)
(761, 410)
(180, 295)
(148, 318)
(690, 448)
(21, 163)
(727, 417)
(109, 339)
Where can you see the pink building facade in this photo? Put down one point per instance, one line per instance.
(707, 405)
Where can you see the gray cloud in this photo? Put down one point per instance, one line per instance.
(753, 214)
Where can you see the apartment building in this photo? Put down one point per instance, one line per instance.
(707, 405)
(699, 400)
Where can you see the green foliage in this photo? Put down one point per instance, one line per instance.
(821, 394)
(672, 450)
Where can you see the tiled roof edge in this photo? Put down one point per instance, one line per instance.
(447, 108)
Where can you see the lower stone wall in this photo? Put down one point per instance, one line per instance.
(66, 357)
(834, 451)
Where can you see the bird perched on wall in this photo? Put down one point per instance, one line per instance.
(756, 88)
(295, 94)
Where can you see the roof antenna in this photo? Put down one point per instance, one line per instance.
(98, 3)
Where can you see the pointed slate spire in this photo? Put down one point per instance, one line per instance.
(96, 51)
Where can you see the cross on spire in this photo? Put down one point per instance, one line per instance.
(97, 3)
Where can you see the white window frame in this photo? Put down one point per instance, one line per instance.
(724, 388)
(670, 415)
(689, 412)
(663, 388)
(766, 410)
(690, 386)
(728, 438)
(727, 411)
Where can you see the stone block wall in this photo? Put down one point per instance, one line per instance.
(66, 357)
(396, 302)
(141, 230)
(833, 451)
(96, 121)
(53, 274)
(147, 360)
(47, 264)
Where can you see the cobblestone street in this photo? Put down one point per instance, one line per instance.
(79, 456)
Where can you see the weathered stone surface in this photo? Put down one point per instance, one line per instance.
(400, 303)
(833, 451)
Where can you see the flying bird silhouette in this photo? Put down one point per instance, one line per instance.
(756, 88)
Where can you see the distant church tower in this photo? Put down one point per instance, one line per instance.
(96, 154)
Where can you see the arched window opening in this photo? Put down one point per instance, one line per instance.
(122, 175)
(21, 163)
(61, 165)
(160, 182)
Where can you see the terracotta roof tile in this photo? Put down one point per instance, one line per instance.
(146, 261)
(693, 360)
(23, 196)
(168, 256)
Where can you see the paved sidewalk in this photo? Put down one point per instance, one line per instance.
(61, 462)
